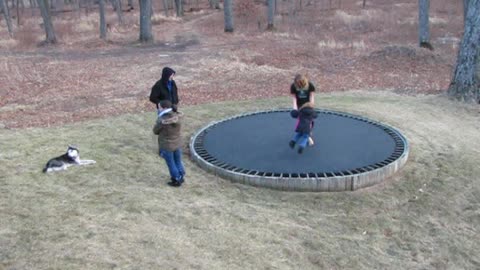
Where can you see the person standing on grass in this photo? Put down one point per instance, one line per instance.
(165, 89)
(168, 129)
(302, 92)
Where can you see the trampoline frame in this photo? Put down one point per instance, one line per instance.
(347, 180)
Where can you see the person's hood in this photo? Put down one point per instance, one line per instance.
(166, 73)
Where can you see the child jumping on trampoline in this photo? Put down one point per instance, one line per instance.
(305, 116)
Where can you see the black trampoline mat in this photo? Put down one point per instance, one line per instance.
(260, 142)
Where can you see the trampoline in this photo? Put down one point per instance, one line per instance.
(350, 151)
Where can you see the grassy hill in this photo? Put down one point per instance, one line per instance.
(120, 214)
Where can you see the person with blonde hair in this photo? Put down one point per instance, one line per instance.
(302, 92)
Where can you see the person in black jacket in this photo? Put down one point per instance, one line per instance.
(305, 116)
(165, 89)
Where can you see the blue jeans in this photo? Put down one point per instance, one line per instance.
(301, 139)
(174, 163)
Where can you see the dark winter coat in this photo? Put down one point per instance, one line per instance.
(168, 129)
(305, 116)
(160, 90)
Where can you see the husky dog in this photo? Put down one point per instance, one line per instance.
(60, 163)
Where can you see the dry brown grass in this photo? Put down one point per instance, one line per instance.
(121, 214)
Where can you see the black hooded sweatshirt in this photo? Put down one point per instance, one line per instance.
(160, 89)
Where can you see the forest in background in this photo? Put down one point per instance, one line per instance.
(341, 45)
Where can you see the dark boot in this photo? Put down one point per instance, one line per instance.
(174, 183)
(291, 144)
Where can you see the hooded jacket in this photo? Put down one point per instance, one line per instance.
(168, 129)
(305, 116)
(160, 89)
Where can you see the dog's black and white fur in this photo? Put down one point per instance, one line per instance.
(60, 163)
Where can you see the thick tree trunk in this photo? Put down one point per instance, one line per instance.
(47, 22)
(146, 21)
(465, 7)
(465, 84)
(228, 15)
(103, 23)
(179, 8)
(270, 14)
(423, 24)
(6, 15)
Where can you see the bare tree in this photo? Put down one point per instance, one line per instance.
(118, 8)
(228, 15)
(270, 14)
(18, 10)
(423, 24)
(103, 23)
(179, 8)
(465, 84)
(6, 14)
(47, 22)
(146, 21)
(165, 7)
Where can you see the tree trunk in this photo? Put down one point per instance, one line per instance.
(179, 8)
(465, 84)
(165, 7)
(146, 21)
(465, 7)
(271, 14)
(291, 8)
(103, 23)
(47, 22)
(423, 24)
(18, 11)
(118, 8)
(6, 14)
(228, 15)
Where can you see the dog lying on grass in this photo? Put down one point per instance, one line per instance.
(70, 158)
